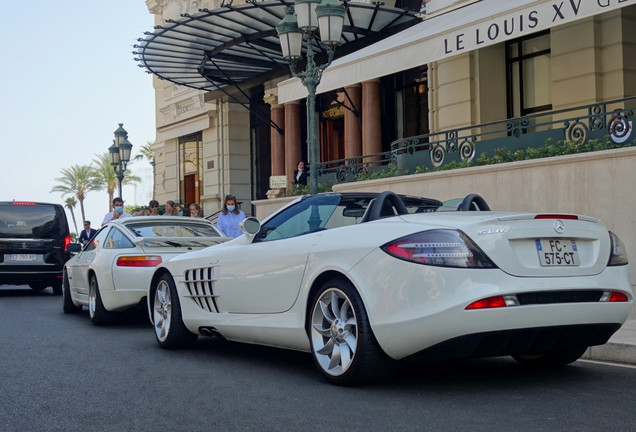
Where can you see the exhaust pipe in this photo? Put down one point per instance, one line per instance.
(210, 332)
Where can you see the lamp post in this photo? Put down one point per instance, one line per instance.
(120, 154)
(311, 15)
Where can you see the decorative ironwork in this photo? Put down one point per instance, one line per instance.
(577, 132)
(613, 119)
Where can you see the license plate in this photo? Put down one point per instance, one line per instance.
(557, 252)
(22, 257)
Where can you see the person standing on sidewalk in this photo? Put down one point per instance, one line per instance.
(154, 207)
(117, 213)
(229, 218)
(87, 233)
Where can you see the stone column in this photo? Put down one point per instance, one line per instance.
(293, 139)
(353, 134)
(277, 140)
(371, 118)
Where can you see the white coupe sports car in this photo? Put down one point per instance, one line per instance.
(361, 280)
(111, 273)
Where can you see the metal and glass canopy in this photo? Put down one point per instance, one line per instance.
(239, 44)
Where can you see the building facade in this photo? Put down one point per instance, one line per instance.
(472, 76)
(202, 148)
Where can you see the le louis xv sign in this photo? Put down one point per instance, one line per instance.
(534, 17)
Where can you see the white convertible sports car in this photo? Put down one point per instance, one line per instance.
(361, 280)
(111, 273)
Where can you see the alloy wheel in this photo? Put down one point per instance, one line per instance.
(92, 298)
(334, 331)
(162, 310)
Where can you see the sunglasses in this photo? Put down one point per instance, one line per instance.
(230, 196)
(154, 206)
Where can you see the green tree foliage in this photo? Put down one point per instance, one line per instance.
(107, 177)
(70, 204)
(78, 181)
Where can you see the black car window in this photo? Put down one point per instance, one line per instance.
(309, 215)
(117, 240)
(33, 221)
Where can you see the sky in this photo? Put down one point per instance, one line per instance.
(68, 78)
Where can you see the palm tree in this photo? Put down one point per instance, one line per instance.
(146, 151)
(78, 180)
(107, 177)
(70, 204)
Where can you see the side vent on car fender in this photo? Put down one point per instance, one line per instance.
(200, 285)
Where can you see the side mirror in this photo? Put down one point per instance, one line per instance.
(74, 248)
(250, 226)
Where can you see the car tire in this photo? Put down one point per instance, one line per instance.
(559, 357)
(67, 302)
(343, 345)
(96, 310)
(170, 331)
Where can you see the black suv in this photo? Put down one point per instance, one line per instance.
(34, 240)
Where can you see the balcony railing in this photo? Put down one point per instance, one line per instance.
(580, 124)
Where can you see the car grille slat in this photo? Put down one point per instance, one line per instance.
(200, 286)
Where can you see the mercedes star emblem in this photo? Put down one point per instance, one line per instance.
(558, 226)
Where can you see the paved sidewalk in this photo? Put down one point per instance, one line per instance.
(621, 348)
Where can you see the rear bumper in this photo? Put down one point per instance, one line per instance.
(531, 341)
(32, 276)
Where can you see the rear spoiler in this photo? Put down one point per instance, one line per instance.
(140, 240)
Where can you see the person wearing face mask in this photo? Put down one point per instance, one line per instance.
(230, 217)
(117, 213)
(195, 210)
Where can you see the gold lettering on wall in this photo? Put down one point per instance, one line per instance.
(332, 113)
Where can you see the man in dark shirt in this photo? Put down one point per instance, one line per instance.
(87, 233)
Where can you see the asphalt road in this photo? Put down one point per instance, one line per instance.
(59, 372)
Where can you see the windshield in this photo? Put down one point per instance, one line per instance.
(31, 221)
(172, 229)
(309, 215)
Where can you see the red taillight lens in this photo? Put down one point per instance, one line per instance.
(617, 297)
(29, 203)
(67, 241)
(444, 248)
(557, 216)
(138, 261)
(488, 303)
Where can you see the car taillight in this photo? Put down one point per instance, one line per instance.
(488, 303)
(440, 247)
(138, 261)
(29, 203)
(556, 216)
(618, 253)
(614, 297)
(67, 241)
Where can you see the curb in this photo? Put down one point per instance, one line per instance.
(612, 352)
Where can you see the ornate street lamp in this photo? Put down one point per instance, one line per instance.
(327, 16)
(120, 154)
